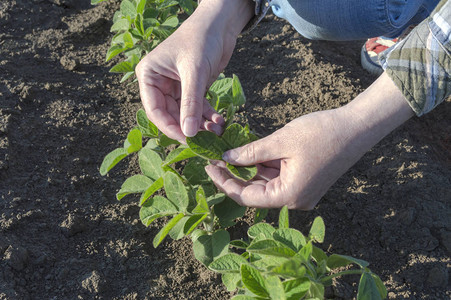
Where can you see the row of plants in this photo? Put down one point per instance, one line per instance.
(270, 262)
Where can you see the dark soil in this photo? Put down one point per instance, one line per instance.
(64, 236)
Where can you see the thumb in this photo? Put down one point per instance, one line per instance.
(263, 150)
(193, 83)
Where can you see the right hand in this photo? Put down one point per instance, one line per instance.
(174, 77)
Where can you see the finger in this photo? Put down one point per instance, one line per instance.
(213, 127)
(156, 108)
(210, 114)
(245, 194)
(267, 173)
(194, 83)
(263, 150)
(275, 164)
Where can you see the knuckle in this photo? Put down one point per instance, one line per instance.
(250, 152)
(190, 102)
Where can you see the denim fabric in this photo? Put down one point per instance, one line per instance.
(352, 19)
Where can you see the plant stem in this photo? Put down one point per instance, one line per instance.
(348, 272)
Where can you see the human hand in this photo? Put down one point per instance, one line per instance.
(174, 77)
(298, 163)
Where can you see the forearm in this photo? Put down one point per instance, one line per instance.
(374, 114)
(227, 16)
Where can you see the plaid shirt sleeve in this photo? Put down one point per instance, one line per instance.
(420, 65)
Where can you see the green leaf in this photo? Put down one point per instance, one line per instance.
(246, 297)
(121, 24)
(319, 255)
(283, 218)
(227, 211)
(166, 4)
(210, 247)
(271, 247)
(147, 128)
(115, 50)
(177, 232)
(215, 199)
(290, 237)
(134, 184)
(179, 154)
(235, 136)
(111, 159)
(175, 190)
(260, 228)
(133, 143)
(296, 289)
(122, 67)
(128, 40)
(337, 261)
(253, 280)
(318, 230)
(194, 171)
(260, 215)
(237, 92)
(380, 286)
(207, 144)
(231, 110)
(155, 208)
(291, 268)
(162, 32)
(228, 263)
(171, 22)
(275, 288)
(165, 230)
(158, 184)
(128, 9)
(202, 205)
(306, 252)
(141, 6)
(368, 289)
(316, 290)
(139, 26)
(187, 6)
(150, 163)
(266, 262)
(243, 173)
(193, 222)
(150, 13)
(231, 280)
(223, 89)
(126, 76)
(165, 141)
(198, 233)
(240, 244)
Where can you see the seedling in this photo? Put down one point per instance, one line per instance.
(140, 26)
(190, 199)
(281, 263)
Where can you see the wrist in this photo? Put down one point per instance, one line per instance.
(374, 113)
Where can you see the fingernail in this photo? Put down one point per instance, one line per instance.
(230, 156)
(190, 126)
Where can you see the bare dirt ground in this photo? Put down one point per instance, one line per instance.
(64, 236)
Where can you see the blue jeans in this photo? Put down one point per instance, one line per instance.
(352, 19)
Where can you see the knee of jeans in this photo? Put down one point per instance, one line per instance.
(400, 12)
